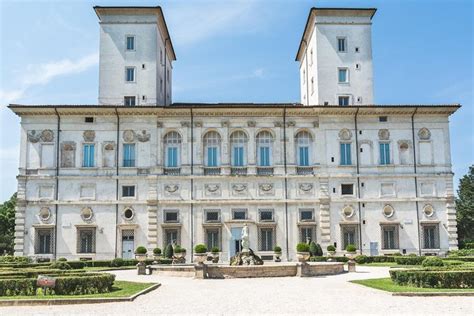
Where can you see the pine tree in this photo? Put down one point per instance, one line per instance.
(465, 207)
(7, 225)
(169, 251)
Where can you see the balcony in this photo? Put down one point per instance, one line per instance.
(212, 171)
(238, 171)
(304, 170)
(172, 171)
(264, 171)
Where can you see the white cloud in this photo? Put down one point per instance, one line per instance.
(8, 96)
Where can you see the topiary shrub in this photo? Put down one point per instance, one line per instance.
(215, 250)
(302, 247)
(320, 250)
(331, 248)
(277, 249)
(361, 259)
(61, 265)
(141, 250)
(313, 249)
(117, 262)
(200, 249)
(62, 259)
(432, 262)
(157, 251)
(351, 248)
(409, 260)
(169, 251)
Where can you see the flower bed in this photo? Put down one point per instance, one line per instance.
(434, 278)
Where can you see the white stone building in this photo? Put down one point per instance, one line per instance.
(98, 181)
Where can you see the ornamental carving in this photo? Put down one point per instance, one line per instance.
(345, 134)
(47, 136)
(251, 123)
(291, 124)
(225, 123)
(109, 146)
(88, 136)
(171, 188)
(404, 144)
(316, 124)
(33, 137)
(159, 124)
(198, 124)
(239, 187)
(212, 187)
(128, 136)
(278, 124)
(185, 124)
(306, 187)
(266, 187)
(424, 133)
(143, 136)
(384, 134)
(87, 214)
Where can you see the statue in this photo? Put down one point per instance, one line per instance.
(245, 239)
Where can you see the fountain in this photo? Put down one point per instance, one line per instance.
(246, 256)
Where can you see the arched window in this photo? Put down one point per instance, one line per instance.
(264, 148)
(238, 142)
(303, 145)
(172, 142)
(212, 143)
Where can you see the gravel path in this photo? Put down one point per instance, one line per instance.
(322, 295)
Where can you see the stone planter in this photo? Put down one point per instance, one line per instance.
(141, 257)
(351, 254)
(277, 256)
(215, 257)
(303, 256)
(331, 253)
(200, 257)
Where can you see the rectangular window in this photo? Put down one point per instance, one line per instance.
(212, 156)
(384, 154)
(129, 155)
(266, 215)
(307, 234)
(171, 217)
(430, 236)
(171, 237)
(343, 75)
(239, 214)
(88, 155)
(264, 156)
(172, 157)
(383, 118)
(238, 156)
(212, 239)
(130, 42)
(349, 236)
(130, 74)
(44, 241)
(341, 45)
(86, 240)
(129, 101)
(304, 156)
(266, 239)
(343, 100)
(347, 189)
(128, 191)
(306, 215)
(346, 155)
(212, 216)
(390, 237)
(89, 119)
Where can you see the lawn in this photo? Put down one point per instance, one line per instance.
(94, 269)
(120, 289)
(386, 284)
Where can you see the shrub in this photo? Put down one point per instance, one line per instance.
(432, 262)
(331, 248)
(61, 265)
(322, 259)
(315, 249)
(450, 279)
(14, 259)
(469, 245)
(277, 249)
(157, 251)
(13, 287)
(302, 247)
(141, 250)
(318, 259)
(117, 262)
(200, 249)
(76, 264)
(169, 252)
(462, 253)
(179, 249)
(87, 284)
(215, 250)
(351, 248)
(62, 259)
(361, 259)
(409, 260)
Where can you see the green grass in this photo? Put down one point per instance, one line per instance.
(386, 284)
(92, 269)
(120, 289)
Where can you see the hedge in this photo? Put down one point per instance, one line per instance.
(323, 259)
(13, 259)
(370, 259)
(450, 279)
(410, 260)
(34, 273)
(13, 287)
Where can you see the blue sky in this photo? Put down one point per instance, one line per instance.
(236, 51)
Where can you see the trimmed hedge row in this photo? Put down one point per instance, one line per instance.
(34, 273)
(450, 279)
(370, 259)
(324, 259)
(410, 260)
(14, 259)
(14, 287)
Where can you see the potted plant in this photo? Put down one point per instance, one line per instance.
(179, 251)
(331, 250)
(351, 250)
(277, 253)
(302, 252)
(215, 254)
(157, 253)
(140, 253)
(200, 253)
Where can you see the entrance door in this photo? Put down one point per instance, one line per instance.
(127, 244)
(374, 248)
(235, 241)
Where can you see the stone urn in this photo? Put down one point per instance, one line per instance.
(200, 257)
(140, 257)
(303, 256)
(332, 253)
(215, 257)
(277, 256)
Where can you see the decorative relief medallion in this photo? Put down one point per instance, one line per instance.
(266, 189)
(403, 144)
(239, 188)
(316, 124)
(128, 136)
(143, 136)
(345, 134)
(291, 124)
(88, 136)
(198, 124)
(251, 123)
(212, 189)
(384, 134)
(33, 137)
(87, 214)
(47, 136)
(159, 124)
(424, 133)
(44, 214)
(348, 211)
(278, 124)
(172, 188)
(109, 146)
(225, 123)
(306, 187)
(185, 124)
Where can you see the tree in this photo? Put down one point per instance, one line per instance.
(7, 225)
(465, 207)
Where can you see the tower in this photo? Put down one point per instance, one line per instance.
(136, 55)
(335, 56)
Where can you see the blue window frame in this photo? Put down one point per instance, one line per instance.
(130, 42)
(88, 155)
(172, 155)
(304, 156)
(212, 157)
(238, 156)
(264, 156)
(129, 155)
(346, 155)
(342, 75)
(384, 154)
(130, 74)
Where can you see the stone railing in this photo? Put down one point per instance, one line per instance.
(212, 171)
(238, 171)
(175, 171)
(264, 171)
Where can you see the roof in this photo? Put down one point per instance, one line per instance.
(369, 12)
(100, 10)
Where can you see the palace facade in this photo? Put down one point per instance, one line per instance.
(96, 181)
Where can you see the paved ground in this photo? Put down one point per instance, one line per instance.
(322, 295)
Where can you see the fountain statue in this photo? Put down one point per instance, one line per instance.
(246, 256)
(245, 239)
